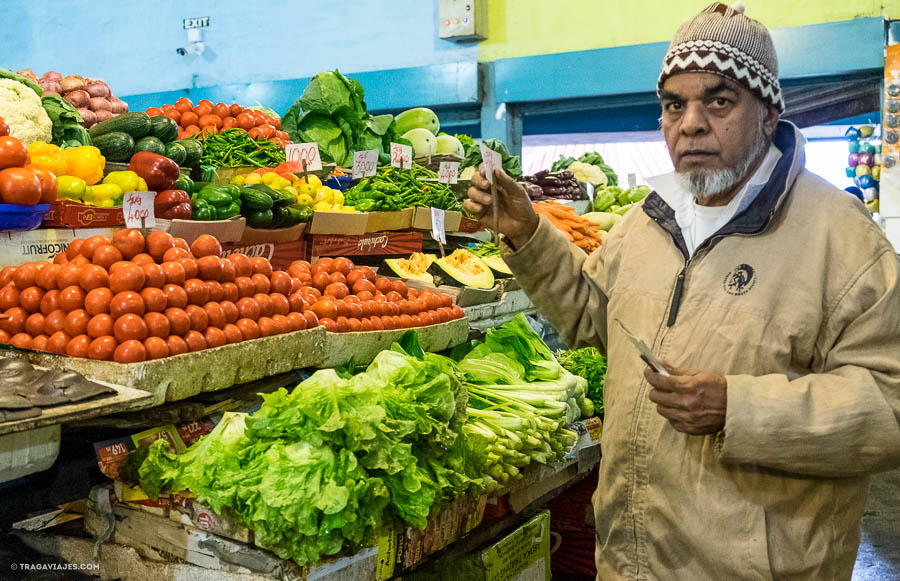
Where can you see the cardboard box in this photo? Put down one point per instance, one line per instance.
(252, 236)
(280, 254)
(224, 230)
(348, 223)
(470, 226)
(374, 244)
(422, 220)
(35, 245)
(188, 511)
(384, 221)
(68, 214)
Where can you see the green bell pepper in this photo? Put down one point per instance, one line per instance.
(184, 183)
(604, 201)
(225, 212)
(366, 205)
(201, 210)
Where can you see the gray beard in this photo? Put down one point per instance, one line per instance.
(705, 184)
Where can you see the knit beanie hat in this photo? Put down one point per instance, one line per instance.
(722, 41)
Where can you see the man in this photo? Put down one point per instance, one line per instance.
(774, 298)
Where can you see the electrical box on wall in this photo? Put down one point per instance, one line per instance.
(462, 20)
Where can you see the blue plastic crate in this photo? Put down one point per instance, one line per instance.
(16, 217)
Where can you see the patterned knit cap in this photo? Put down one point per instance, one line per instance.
(722, 41)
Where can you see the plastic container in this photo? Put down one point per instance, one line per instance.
(341, 183)
(16, 217)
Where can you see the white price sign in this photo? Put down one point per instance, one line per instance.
(437, 225)
(401, 155)
(632, 181)
(365, 163)
(138, 209)
(448, 172)
(492, 161)
(299, 152)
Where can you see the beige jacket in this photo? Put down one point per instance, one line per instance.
(796, 301)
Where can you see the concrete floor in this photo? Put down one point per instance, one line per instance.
(879, 550)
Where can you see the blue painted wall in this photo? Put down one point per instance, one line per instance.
(245, 41)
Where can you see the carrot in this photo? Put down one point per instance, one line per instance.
(582, 233)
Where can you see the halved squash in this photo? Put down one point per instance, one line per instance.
(462, 268)
(498, 265)
(415, 267)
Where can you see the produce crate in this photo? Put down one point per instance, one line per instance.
(280, 254)
(44, 244)
(422, 220)
(374, 244)
(252, 236)
(229, 230)
(339, 223)
(433, 162)
(67, 214)
(182, 376)
(385, 221)
(363, 347)
(470, 226)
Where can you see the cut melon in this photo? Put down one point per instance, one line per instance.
(423, 142)
(413, 268)
(462, 268)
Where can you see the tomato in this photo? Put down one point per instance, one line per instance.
(320, 281)
(130, 326)
(190, 267)
(242, 264)
(282, 324)
(248, 327)
(76, 322)
(366, 325)
(393, 296)
(405, 322)
(231, 311)
(377, 324)
(102, 348)
(175, 253)
(174, 115)
(245, 286)
(179, 321)
(126, 302)
(57, 342)
(354, 276)
(458, 312)
(100, 325)
(256, 133)
(128, 277)
(210, 268)
(325, 309)
(156, 347)
(337, 290)
(215, 337)
(197, 292)
(199, 318)
(78, 346)
(175, 296)
(383, 285)
(71, 298)
(261, 266)
(211, 121)
(189, 118)
(261, 283)
(19, 186)
(281, 282)
(154, 112)
(166, 108)
(265, 304)
(206, 245)
(131, 351)
(221, 109)
(203, 108)
(155, 300)
(173, 272)
(9, 297)
(153, 276)
(215, 315)
(235, 110)
(190, 131)
(245, 120)
(158, 243)
(49, 185)
(228, 271)
(49, 303)
(329, 324)
(13, 153)
(176, 345)
(267, 327)
(34, 324)
(30, 299)
(230, 292)
(195, 341)
(363, 286)
(215, 291)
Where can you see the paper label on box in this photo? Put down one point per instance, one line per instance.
(492, 161)
(365, 163)
(401, 155)
(437, 225)
(388, 542)
(304, 151)
(138, 209)
(448, 172)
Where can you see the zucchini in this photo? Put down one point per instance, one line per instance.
(253, 200)
(163, 128)
(175, 151)
(135, 124)
(151, 144)
(194, 151)
(115, 146)
(259, 218)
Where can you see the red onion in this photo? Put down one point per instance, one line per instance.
(50, 86)
(51, 76)
(103, 115)
(100, 104)
(118, 106)
(88, 116)
(79, 98)
(97, 89)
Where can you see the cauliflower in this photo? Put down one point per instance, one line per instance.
(587, 173)
(23, 111)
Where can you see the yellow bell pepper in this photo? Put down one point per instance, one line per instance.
(104, 192)
(128, 181)
(142, 185)
(70, 188)
(48, 156)
(85, 162)
(106, 204)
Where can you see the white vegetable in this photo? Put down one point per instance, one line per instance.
(22, 110)
(589, 174)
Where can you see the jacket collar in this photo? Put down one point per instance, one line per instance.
(755, 217)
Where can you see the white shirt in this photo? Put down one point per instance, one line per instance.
(698, 222)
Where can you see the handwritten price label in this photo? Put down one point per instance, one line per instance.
(492, 160)
(304, 151)
(137, 206)
(401, 155)
(437, 225)
(448, 172)
(365, 163)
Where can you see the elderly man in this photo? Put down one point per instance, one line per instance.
(774, 298)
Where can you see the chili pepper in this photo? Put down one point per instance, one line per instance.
(159, 171)
(172, 204)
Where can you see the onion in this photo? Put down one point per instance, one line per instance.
(71, 83)
(103, 115)
(100, 104)
(28, 74)
(51, 76)
(79, 97)
(50, 86)
(118, 106)
(88, 116)
(97, 89)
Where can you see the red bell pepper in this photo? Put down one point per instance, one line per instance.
(172, 204)
(158, 171)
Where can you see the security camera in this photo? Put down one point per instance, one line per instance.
(181, 50)
(195, 44)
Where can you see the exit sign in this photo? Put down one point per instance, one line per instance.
(199, 22)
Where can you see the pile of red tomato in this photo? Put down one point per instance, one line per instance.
(209, 118)
(21, 183)
(132, 299)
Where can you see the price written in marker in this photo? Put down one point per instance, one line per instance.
(365, 163)
(492, 160)
(299, 152)
(401, 155)
(448, 172)
(437, 225)
(138, 209)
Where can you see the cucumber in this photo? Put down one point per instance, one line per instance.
(176, 152)
(135, 124)
(194, 151)
(163, 128)
(115, 146)
(151, 144)
(254, 201)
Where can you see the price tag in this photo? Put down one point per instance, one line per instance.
(401, 155)
(632, 181)
(304, 151)
(437, 225)
(448, 172)
(365, 163)
(492, 160)
(137, 206)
